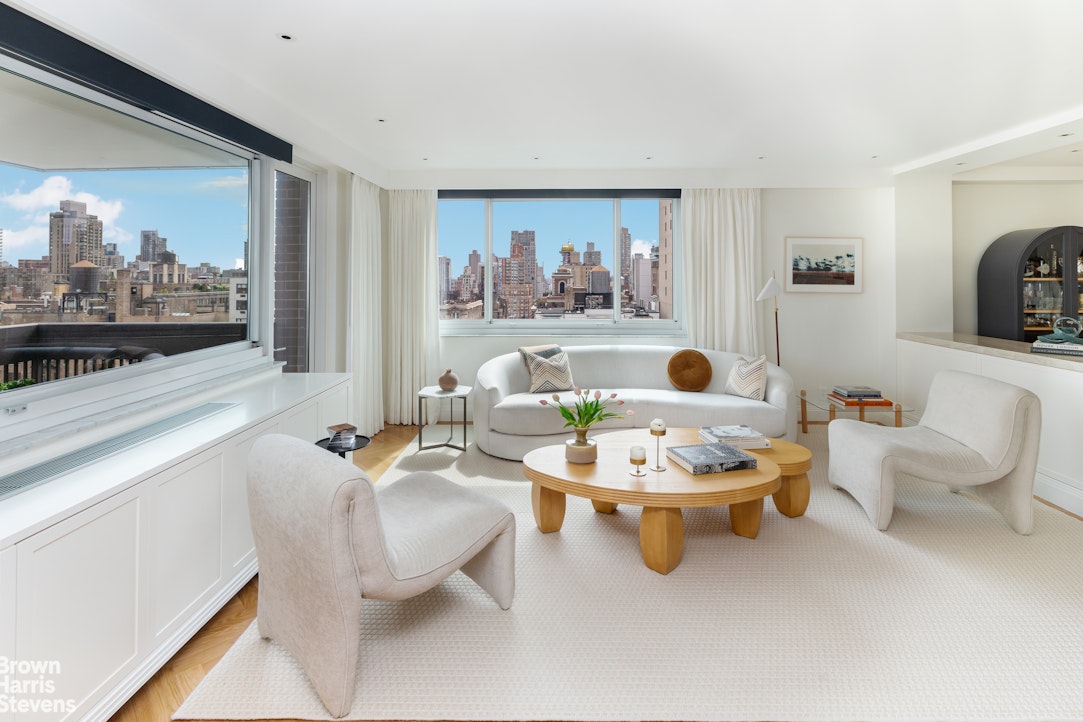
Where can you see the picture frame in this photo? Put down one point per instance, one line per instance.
(824, 265)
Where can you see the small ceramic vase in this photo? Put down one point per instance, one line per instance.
(449, 381)
(581, 450)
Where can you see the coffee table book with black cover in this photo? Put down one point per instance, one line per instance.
(710, 458)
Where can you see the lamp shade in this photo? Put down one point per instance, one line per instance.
(770, 289)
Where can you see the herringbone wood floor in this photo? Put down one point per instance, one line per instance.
(160, 697)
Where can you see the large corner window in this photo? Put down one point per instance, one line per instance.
(122, 241)
(564, 259)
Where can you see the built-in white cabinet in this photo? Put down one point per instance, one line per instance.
(101, 597)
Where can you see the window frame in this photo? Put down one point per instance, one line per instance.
(33, 416)
(659, 328)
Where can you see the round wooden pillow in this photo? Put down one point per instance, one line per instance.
(689, 370)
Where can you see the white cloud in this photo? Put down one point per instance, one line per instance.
(31, 236)
(641, 246)
(37, 203)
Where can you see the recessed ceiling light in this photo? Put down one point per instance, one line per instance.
(380, 120)
(650, 157)
(286, 36)
(761, 157)
(875, 157)
(424, 159)
(961, 163)
(1066, 135)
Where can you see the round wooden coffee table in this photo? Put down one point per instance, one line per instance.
(607, 483)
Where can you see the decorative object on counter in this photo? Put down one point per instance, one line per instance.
(588, 410)
(710, 458)
(638, 456)
(449, 381)
(658, 430)
(341, 435)
(1065, 330)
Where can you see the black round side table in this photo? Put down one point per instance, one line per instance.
(359, 442)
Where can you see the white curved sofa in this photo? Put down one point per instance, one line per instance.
(509, 421)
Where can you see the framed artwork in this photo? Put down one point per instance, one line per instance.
(823, 265)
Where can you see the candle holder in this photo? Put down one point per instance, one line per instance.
(658, 434)
(638, 456)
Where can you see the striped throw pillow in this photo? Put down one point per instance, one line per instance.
(549, 374)
(748, 378)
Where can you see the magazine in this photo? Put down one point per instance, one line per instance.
(740, 435)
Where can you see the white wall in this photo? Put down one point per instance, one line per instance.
(832, 338)
(923, 252)
(984, 212)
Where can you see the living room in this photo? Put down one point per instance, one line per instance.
(925, 209)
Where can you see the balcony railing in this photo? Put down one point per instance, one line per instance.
(51, 351)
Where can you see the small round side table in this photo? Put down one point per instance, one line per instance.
(359, 442)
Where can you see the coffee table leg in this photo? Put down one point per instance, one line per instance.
(603, 507)
(792, 498)
(661, 538)
(548, 508)
(745, 517)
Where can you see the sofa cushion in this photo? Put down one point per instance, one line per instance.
(748, 378)
(547, 350)
(689, 370)
(549, 374)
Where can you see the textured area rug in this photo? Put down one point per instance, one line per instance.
(949, 615)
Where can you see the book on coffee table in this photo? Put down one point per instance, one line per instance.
(739, 435)
(710, 458)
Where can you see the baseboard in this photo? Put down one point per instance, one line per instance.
(1059, 492)
(115, 698)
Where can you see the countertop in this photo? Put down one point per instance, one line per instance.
(999, 347)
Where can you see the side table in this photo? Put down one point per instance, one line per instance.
(435, 392)
(359, 442)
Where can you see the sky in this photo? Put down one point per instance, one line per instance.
(462, 228)
(202, 212)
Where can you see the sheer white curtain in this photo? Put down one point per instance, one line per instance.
(721, 228)
(410, 306)
(366, 307)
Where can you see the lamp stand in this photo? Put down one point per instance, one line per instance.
(778, 351)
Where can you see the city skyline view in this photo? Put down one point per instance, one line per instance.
(202, 212)
(462, 227)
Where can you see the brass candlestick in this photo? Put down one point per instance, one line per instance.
(637, 469)
(658, 434)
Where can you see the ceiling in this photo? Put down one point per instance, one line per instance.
(739, 91)
(58, 132)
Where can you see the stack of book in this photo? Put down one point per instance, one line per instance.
(739, 436)
(857, 396)
(1066, 348)
(710, 458)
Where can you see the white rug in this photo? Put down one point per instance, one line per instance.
(949, 615)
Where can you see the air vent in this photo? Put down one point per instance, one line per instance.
(24, 479)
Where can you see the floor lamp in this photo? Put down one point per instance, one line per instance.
(771, 289)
